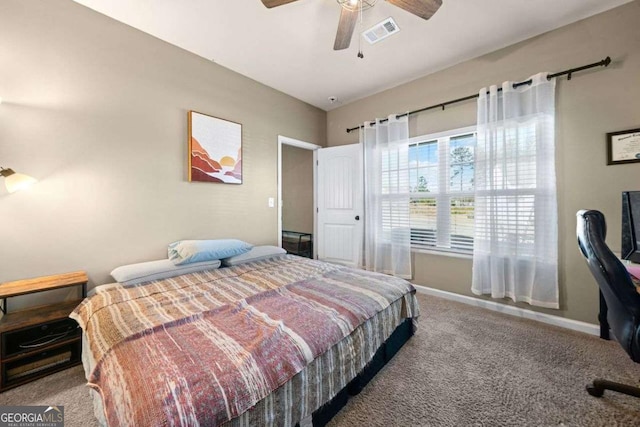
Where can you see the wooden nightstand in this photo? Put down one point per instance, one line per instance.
(39, 341)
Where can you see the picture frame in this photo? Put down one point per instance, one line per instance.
(623, 147)
(215, 149)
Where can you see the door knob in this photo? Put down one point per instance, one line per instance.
(357, 217)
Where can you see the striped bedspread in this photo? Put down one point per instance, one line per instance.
(222, 346)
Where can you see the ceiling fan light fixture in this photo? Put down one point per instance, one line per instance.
(353, 5)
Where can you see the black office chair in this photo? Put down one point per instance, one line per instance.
(622, 300)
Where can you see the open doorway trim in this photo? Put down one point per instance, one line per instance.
(307, 146)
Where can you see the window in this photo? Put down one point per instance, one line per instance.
(441, 185)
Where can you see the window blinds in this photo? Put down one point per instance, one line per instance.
(441, 182)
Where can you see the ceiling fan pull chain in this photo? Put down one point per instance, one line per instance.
(360, 55)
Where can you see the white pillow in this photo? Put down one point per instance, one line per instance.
(257, 253)
(133, 274)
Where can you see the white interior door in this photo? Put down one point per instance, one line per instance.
(340, 205)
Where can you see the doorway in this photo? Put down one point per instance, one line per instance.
(297, 196)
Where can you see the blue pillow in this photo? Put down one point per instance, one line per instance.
(189, 251)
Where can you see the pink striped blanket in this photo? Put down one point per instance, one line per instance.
(204, 348)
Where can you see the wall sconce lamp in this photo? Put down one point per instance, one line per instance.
(16, 181)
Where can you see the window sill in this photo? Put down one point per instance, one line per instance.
(451, 254)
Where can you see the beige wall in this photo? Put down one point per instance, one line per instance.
(98, 112)
(590, 105)
(297, 189)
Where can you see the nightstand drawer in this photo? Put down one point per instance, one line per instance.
(38, 336)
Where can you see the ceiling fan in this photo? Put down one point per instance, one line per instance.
(350, 9)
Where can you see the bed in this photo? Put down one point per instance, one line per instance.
(270, 342)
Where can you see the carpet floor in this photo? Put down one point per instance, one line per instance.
(466, 366)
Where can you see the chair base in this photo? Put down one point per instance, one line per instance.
(599, 386)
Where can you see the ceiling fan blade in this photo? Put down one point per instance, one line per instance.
(274, 3)
(422, 8)
(347, 24)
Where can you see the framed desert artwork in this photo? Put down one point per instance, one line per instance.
(215, 149)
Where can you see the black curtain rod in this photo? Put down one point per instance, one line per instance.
(604, 63)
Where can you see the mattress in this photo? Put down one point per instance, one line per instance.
(264, 343)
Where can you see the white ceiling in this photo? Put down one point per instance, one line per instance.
(290, 47)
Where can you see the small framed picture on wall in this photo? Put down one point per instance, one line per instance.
(215, 149)
(623, 147)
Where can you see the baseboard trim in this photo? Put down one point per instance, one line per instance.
(575, 325)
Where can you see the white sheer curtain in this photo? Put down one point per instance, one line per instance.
(387, 247)
(516, 222)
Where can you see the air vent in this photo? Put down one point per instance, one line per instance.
(381, 31)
